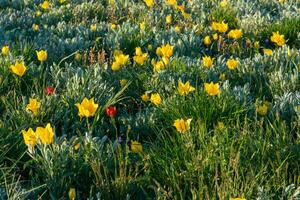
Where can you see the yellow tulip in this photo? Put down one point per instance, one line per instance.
(215, 36)
(18, 68)
(212, 89)
(123, 82)
(42, 55)
(5, 50)
(168, 19)
(122, 59)
(235, 34)
(136, 147)
(263, 109)
(221, 27)
(30, 137)
(207, 61)
(268, 52)
(171, 2)
(232, 64)
(45, 5)
(207, 40)
(149, 3)
(223, 3)
(115, 66)
(142, 26)
(87, 108)
(145, 97)
(78, 56)
(220, 125)
(38, 13)
(181, 125)
(140, 57)
(33, 106)
(155, 99)
(72, 194)
(184, 88)
(158, 66)
(35, 27)
(165, 51)
(278, 39)
(113, 26)
(93, 27)
(45, 134)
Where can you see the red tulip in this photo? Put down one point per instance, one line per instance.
(49, 90)
(111, 111)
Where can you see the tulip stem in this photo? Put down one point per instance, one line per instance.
(88, 126)
(113, 121)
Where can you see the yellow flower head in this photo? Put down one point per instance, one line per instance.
(87, 108)
(232, 64)
(171, 2)
(165, 51)
(78, 56)
(5, 50)
(268, 52)
(30, 137)
(215, 36)
(42, 55)
(35, 27)
(181, 125)
(93, 27)
(142, 26)
(235, 34)
(62, 1)
(136, 147)
(45, 5)
(121, 59)
(155, 99)
(207, 40)
(168, 19)
(115, 66)
(113, 26)
(262, 109)
(184, 88)
(207, 61)
(223, 3)
(185, 15)
(220, 125)
(278, 39)
(256, 45)
(145, 97)
(38, 13)
(72, 194)
(237, 198)
(45, 134)
(18, 68)
(149, 3)
(140, 57)
(158, 66)
(221, 27)
(123, 82)
(212, 89)
(177, 29)
(33, 106)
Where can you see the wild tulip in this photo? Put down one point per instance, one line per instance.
(111, 111)
(49, 90)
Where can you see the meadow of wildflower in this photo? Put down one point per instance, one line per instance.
(150, 99)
